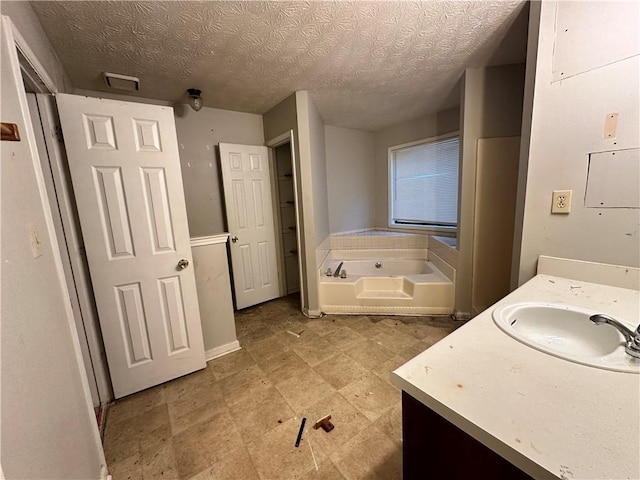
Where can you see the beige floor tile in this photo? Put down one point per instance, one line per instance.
(285, 358)
(159, 464)
(365, 326)
(356, 460)
(244, 384)
(322, 326)
(315, 351)
(231, 363)
(346, 419)
(371, 396)
(257, 415)
(394, 340)
(127, 469)
(344, 338)
(304, 389)
(194, 406)
(383, 371)
(369, 354)
(123, 439)
(276, 457)
(262, 350)
(422, 327)
(286, 366)
(135, 404)
(254, 335)
(204, 444)
(326, 471)
(294, 322)
(390, 422)
(237, 465)
(182, 387)
(340, 370)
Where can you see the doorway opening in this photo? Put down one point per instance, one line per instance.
(286, 221)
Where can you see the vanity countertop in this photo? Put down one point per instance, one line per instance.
(548, 416)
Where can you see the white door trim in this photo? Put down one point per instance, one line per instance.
(272, 144)
(12, 37)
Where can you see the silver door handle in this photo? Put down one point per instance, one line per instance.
(182, 264)
(234, 239)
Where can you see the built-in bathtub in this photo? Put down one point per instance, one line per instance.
(387, 282)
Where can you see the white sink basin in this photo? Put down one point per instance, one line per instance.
(566, 332)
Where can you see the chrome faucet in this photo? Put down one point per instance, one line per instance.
(632, 339)
(337, 272)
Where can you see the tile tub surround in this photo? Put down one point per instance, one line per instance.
(239, 418)
(550, 417)
(378, 239)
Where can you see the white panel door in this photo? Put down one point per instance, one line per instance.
(126, 177)
(247, 194)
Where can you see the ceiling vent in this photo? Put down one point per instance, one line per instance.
(122, 82)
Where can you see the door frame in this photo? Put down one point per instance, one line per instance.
(286, 137)
(91, 339)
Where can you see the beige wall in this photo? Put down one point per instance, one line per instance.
(313, 181)
(199, 133)
(491, 107)
(567, 124)
(350, 178)
(418, 129)
(47, 421)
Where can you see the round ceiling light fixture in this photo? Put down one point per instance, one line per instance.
(195, 100)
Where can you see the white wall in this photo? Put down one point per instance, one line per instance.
(491, 106)
(568, 123)
(198, 136)
(350, 178)
(418, 129)
(47, 422)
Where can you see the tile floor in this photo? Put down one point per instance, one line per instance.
(239, 417)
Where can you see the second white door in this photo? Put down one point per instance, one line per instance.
(247, 192)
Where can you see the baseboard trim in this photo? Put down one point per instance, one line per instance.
(222, 350)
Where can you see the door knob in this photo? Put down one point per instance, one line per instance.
(234, 239)
(182, 264)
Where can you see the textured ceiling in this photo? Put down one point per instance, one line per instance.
(368, 64)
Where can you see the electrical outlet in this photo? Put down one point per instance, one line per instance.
(561, 201)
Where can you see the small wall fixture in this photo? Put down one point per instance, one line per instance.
(195, 100)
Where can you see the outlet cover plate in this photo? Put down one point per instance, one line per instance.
(561, 202)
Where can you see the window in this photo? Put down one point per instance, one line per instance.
(423, 180)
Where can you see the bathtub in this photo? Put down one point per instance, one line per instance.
(387, 286)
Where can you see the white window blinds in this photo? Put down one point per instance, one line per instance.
(425, 183)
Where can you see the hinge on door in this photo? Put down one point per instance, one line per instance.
(57, 132)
